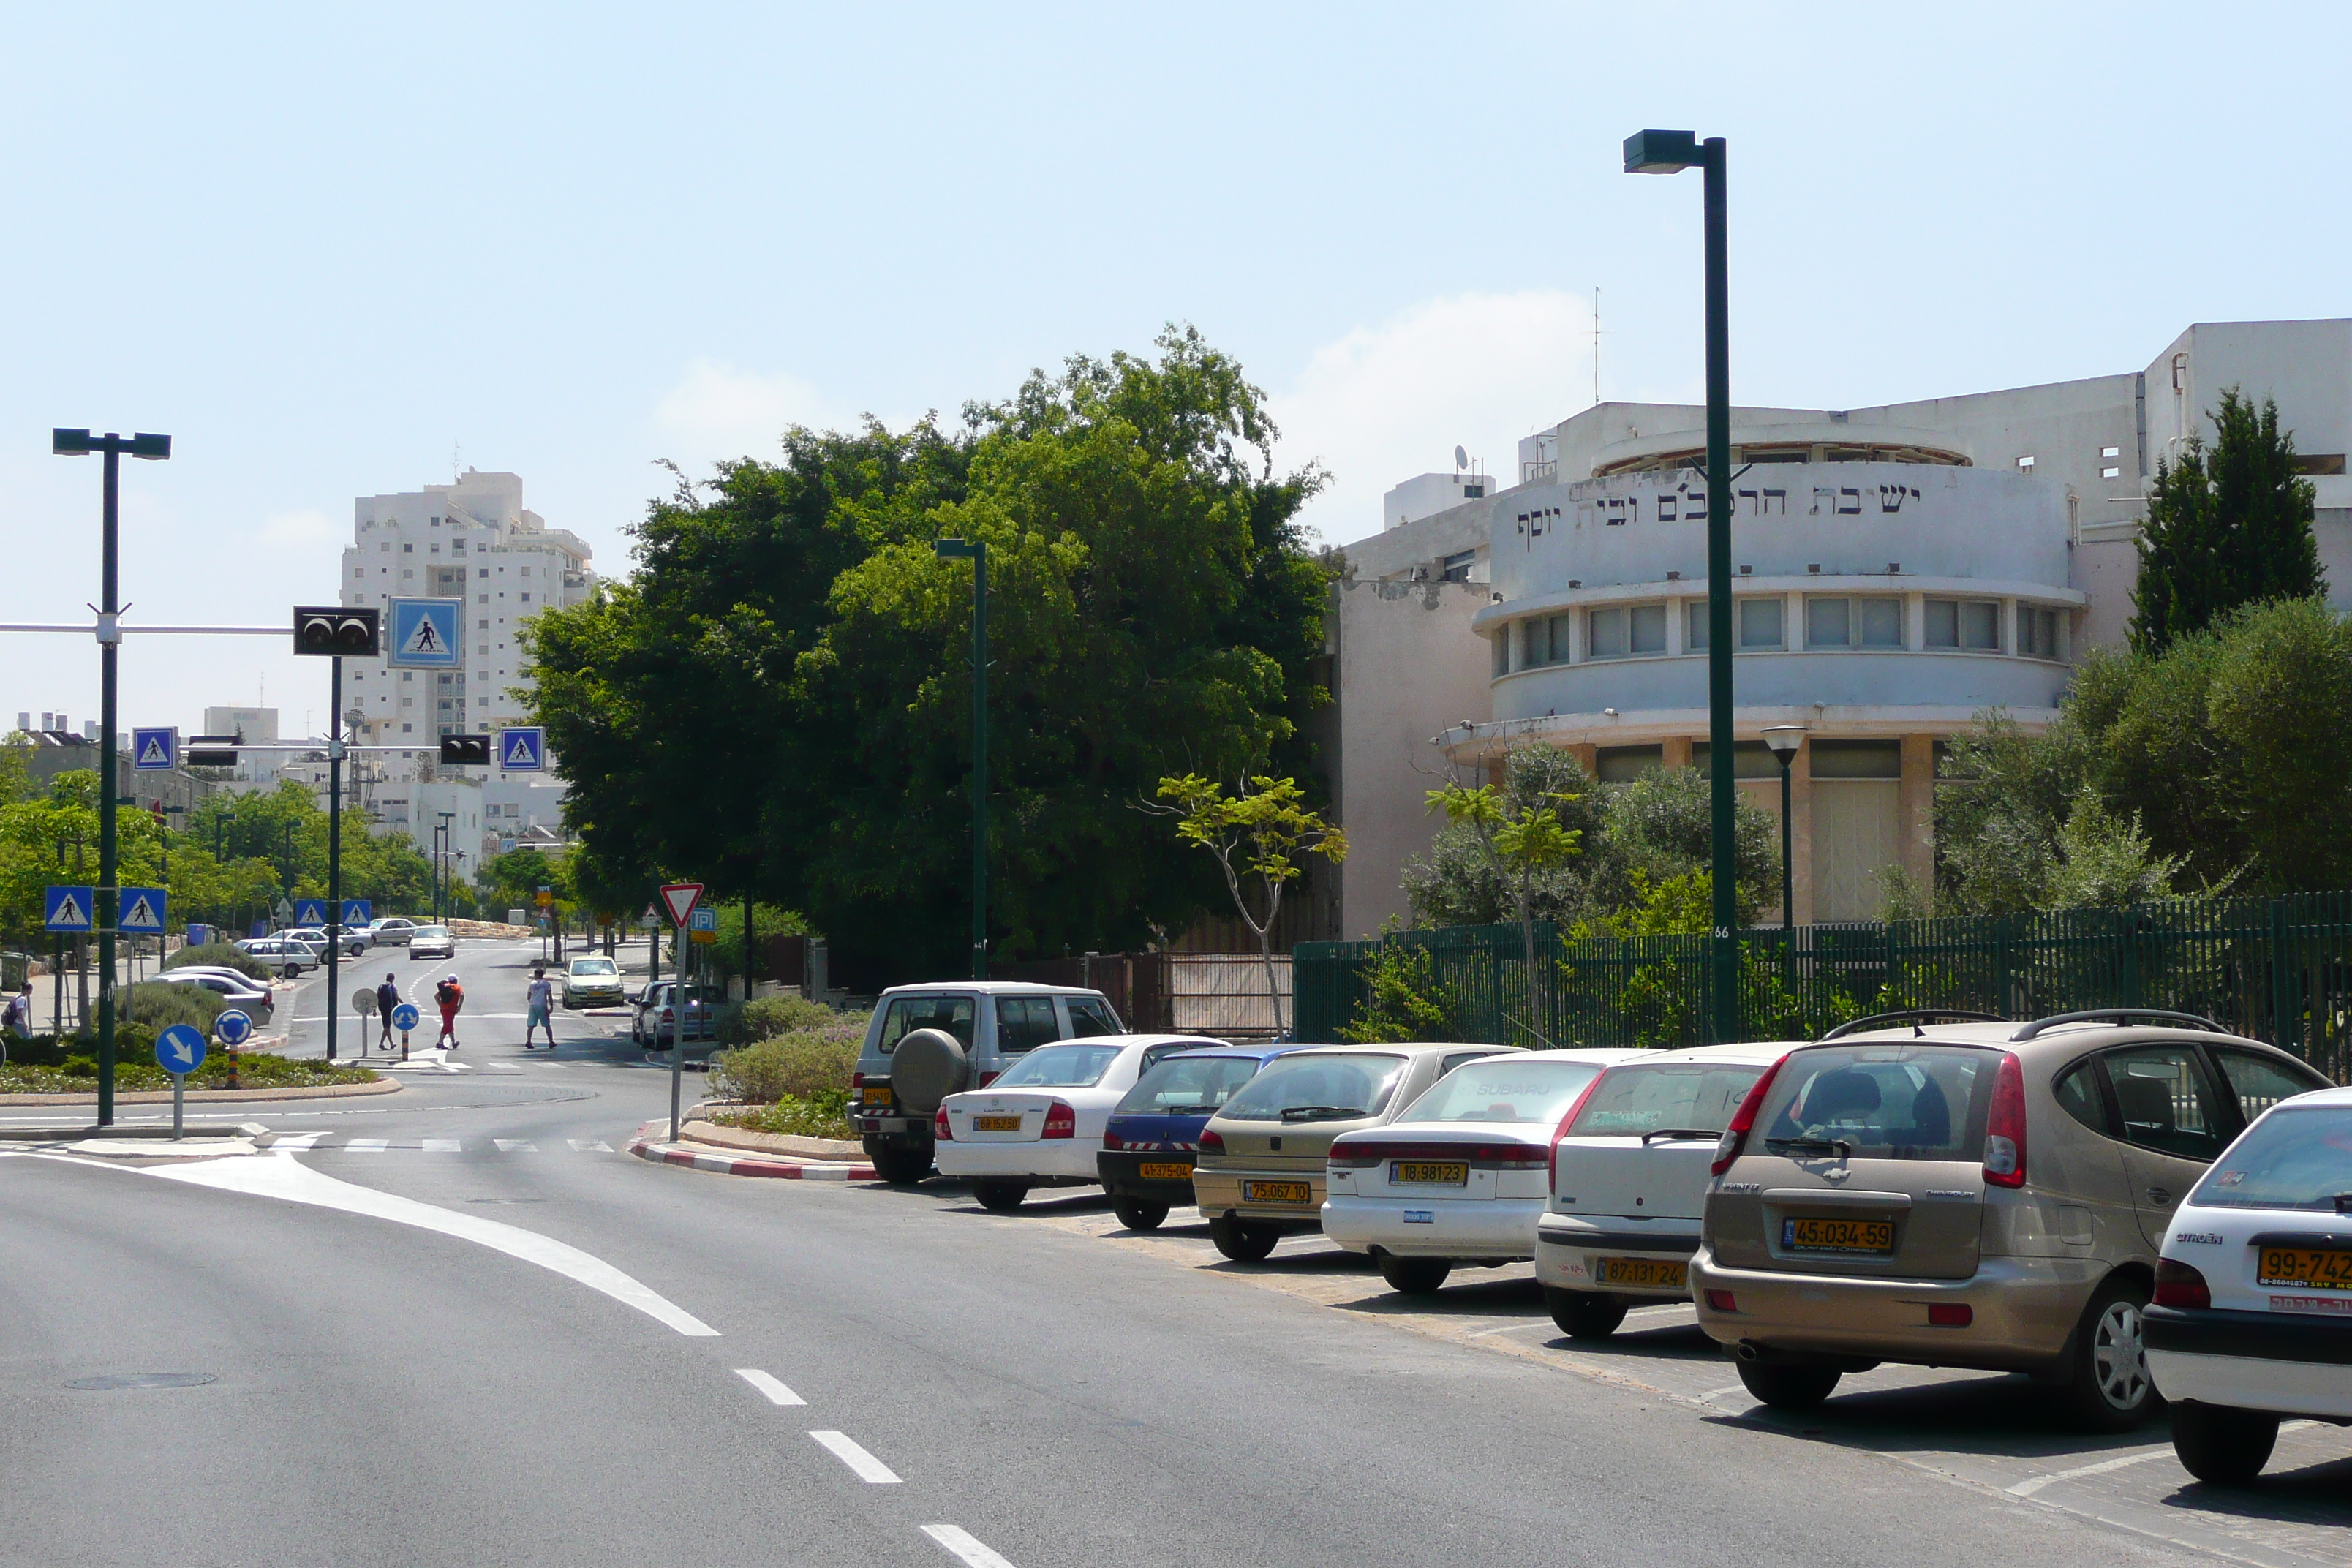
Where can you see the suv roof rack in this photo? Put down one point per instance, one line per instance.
(1915, 1016)
(2119, 1016)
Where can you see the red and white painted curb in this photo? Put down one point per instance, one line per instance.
(703, 1159)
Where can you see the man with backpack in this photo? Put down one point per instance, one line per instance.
(18, 1018)
(450, 996)
(388, 997)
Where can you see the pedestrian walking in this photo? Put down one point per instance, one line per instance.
(450, 996)
(388, 997)
(18, 1018)
(540, 1001)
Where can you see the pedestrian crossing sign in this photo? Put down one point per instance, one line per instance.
(154, 750)
(142, 912)
(69, 909)
(310, 911)
(358, 912)
(522, 750)
(424, 634)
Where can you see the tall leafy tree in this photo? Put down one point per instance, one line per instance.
(2226, 526)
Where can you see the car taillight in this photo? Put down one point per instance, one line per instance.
(2004, 1148)
(856, 1080)
(1211, 1141)
(988, 1078)
(1354, 1156)
(667, 1015)
(1060, 1122)
(1743, 1120)
(1111, 1141)
(1551, 1153)
(940, 1129)
(2178, 1285)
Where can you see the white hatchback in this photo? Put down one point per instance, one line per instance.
(1458, 1179)
(1629, 1177)
(2251, 1319)
(1041, 1122)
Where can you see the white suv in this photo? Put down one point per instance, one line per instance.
(927, 1042)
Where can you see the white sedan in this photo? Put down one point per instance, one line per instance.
(1462, 1177)
(1041, 1122)
(2253, 1316)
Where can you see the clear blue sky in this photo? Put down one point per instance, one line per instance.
(323, 245)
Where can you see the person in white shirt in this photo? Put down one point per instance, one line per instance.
(542, 1001)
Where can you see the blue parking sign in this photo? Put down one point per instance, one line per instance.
(425, 634)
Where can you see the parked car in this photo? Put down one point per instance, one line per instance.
(1041, 1123)
(592, 982)
(927, 1042)
(1977, 1194)
(662, 1017)
(1629, 1177)
(352, 943)
(392, 930)
(239, 991)
(1154, 1131)
(432, 942)
(1458, 1179)
(287, 958)
(1260, 1175)
(2253, 1316)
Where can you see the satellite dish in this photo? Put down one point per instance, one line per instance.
(1461, 458)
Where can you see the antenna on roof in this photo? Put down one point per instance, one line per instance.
(1596, 345)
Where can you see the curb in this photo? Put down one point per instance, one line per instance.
(645, 1148)
(210, 1096)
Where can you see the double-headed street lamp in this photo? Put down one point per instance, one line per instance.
(1670, 153)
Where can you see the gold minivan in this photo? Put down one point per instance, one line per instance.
(1260, 1171)
(1976, 1194)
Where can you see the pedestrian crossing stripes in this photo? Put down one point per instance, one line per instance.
(327, 1144)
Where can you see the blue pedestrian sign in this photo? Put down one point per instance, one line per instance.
(523, 750)
(403, 1017)
(142, 912)
(357, 912)
(425, 634)
(234, 1027)
(180, 1049)
(310, 911)
(154, 750)
(69, 909)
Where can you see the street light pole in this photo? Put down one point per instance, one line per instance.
(335, 844)
(447, 840)
(80, 444)
(1669, 153)
(978, 551)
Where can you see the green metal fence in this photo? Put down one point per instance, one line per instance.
(2275, 969)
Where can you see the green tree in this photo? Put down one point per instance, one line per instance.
(1525, 843)
(2225, 527)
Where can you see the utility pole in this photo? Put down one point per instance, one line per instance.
(977, 550)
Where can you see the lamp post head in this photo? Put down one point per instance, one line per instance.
(1784, 739)
(955, 548)
(1661, 152)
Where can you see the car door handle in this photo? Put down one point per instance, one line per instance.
(2159, 1197)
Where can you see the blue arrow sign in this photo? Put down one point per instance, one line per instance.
(69, 909)
(154, 749)
(232, 1026)
(523, 750)
(310, 911)
(142, 912)
(424, 634)
(403, 1017)
(356, 913)
(180, 1049)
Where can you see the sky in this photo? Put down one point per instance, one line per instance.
(337, 251)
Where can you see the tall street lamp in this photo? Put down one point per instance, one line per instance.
(977, 550)
(1784, 740)
(80, 444)
(1670, 153)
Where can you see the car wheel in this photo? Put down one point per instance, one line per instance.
(1788, 1385)
(1414, 1276)
(1584, 1314)
(2111, 1391)
(1243, 1242)
(1139, 1214)
(1000, 1197)
(902, 1167)
(2221, 1446)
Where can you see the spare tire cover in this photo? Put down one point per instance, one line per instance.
(928, 1067)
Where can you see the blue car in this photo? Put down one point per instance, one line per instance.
(1148, 1147)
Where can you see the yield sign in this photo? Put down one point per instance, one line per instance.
(681, 898)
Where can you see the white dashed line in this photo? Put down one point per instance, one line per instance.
(295, 1143)
(366, 1145)
(963, 1545)
(864, 1465)
(515, 1145)
(776, 1392)
(591, 1145)
(2034, 1484)
(442, 1146)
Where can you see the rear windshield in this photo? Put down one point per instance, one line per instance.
(1638, 1100)
(907, 1014)
(1189, 1086)
(1883, 1103)
(1515, 1088)
(431, 931)
(1060, 1066)
(2290, 1159)
(1338, 1087)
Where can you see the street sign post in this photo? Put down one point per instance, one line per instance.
(680, 898)
(404, 1019)
(154, 750)
(425, 634)
(523, 750)
(179, 1050)
(142, 912)
(68, 909)
(310, 913)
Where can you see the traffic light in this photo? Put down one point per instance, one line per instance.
(334, 629)
(210, 750)
(465, 751)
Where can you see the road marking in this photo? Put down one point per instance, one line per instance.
(443, 1146)
(515, 1145)
(295, 1143)
(2029, 1486)
(776, 1392)
(589, 1145)
(365, 1146)
(868, 1467)
(963, 1545)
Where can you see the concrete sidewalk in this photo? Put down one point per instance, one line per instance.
(650, 1144)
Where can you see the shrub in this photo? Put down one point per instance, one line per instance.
(219, 955)
(767, 1016)
(820, 1116)
(157, 1007)
(802, 1065)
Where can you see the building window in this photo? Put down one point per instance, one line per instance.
(1604, 633)
(1828, 621)
(407, 548)
(1856, 759)
(1456, 568)
(1502, 641)
(485, 625)
(1623, 632)
(526, 598)
(1759, 622)
(1837, 622)
(1694, 625)
(482, 598)
(1624, 764)
(1749, 759)
(1472, 492)
(1971, 625)
(407, 572)
(2037, 633)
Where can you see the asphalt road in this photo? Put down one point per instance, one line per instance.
(463, 1326)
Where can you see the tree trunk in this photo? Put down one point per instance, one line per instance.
(1266, 956)
(1527, 941)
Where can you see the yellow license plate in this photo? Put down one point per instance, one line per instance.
(1277, 1193)
(1163, 1171)
(2313, 1267)
(1853, 1236)
(997, 1124)
(877, 1094)
(1648, 1272)
(1441, 1173)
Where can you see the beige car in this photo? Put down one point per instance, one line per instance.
(1260, 1171)
(1975, 1194)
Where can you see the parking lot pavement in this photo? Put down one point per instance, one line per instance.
(1990, 1433)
